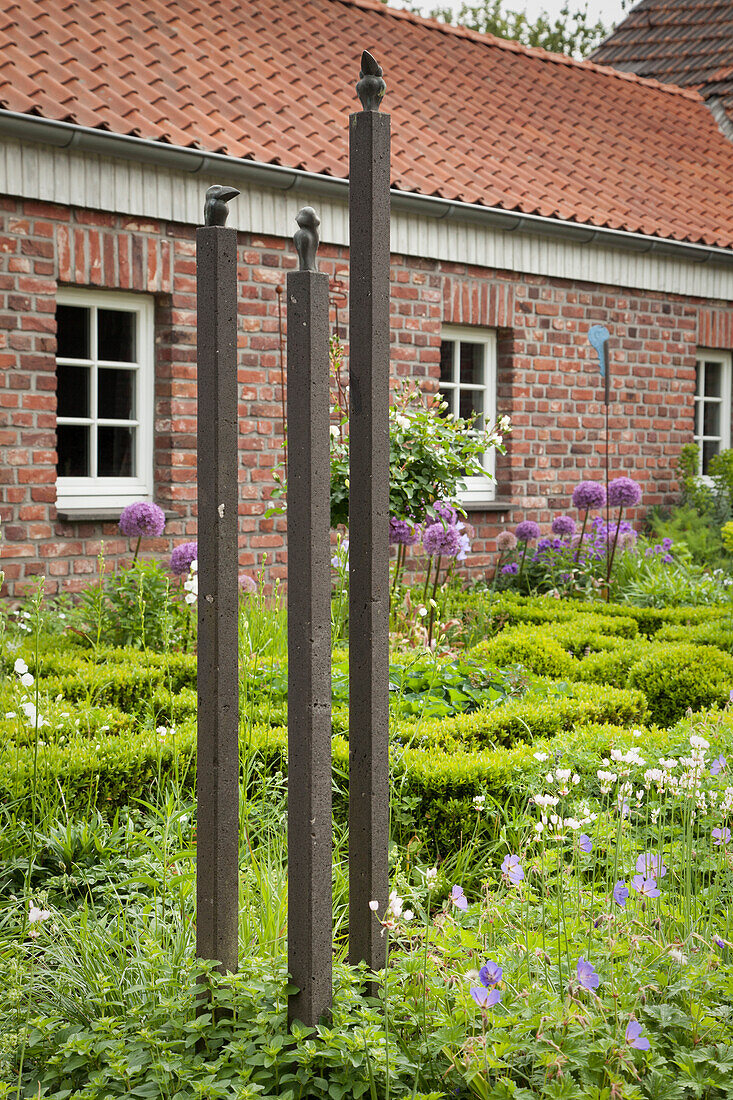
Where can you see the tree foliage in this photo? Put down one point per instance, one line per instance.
(574, 31)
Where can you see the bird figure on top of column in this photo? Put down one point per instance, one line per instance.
(306, 238)
(371, 86)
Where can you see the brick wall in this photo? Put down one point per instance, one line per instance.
(548, 381)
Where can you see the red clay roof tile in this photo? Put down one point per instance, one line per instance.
(474, 118)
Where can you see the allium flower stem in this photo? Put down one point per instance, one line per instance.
(432, 602)
(428, 570)
(521, 564)
(582, 534)
(613, 549)
(137, 549)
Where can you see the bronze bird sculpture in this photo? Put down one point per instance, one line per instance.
(215, 207)
(371, 86)
(306, 238)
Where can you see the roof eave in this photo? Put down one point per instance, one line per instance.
(69, 135)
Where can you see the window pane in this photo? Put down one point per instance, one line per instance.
(72, 332)
(713, 375)
(116, 335)
(114, 452)
(72, 390)
(709, 450)
(72, 444)
(711, 418)
(472, 364)
(446, 361)
(115, 394)
(471, 401)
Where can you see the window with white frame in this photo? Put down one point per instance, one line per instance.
(712, 406)
(468, 385)
(104, 377)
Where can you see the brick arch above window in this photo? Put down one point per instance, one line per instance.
(483, 302)
(114, 258)
(715, 329)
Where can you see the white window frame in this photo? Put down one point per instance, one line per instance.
(724, 359)
(479, 490)
(94, 493)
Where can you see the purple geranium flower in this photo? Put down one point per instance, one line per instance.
(585, 843)
(527, 530)
(511, 569)
(646, 887)
(587, 976)
(721, 836)
(511, 869)
(589, 494)
(651, 865)
(621, 893)
(634, 1038)
(563, 526)
(506, 541)
(623, 492)
(459, 898)
(403, 532)
(182, 557)
(143, 518)
(490, 973)
(485, 998)
(443, 541)
(719, 942)
(718, 765)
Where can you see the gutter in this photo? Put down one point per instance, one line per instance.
(68, 135)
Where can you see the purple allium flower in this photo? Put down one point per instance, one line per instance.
(445, 511)
(439, 540)
(585, 843)
(511, 570)
(511, 869)
(646, 887)
(403, 532)
(621, 893)
(182, 557)
(459, 898)
(247, 583)
(721, 836)
(718, 765)
(563, 526)
(490, 973)
(589, 494)
(634, 1038)
(651, 865)
(506, 541)
(627, 539)
(485, 998)
(587, 976)
(527, 530)
(142, 519)
(623, 492)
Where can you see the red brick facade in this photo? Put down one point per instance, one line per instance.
(548, 382)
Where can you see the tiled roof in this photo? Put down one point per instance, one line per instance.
(474, 118)
(687, 42)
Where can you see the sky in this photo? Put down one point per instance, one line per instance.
(609, 12)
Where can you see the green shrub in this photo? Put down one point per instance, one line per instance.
(537, 650)
(562, 707)
(677, 677)
(716, 634)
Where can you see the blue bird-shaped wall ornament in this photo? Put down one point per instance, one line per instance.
(598, 336)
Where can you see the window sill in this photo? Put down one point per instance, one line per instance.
(489, 504)
(96, 515)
